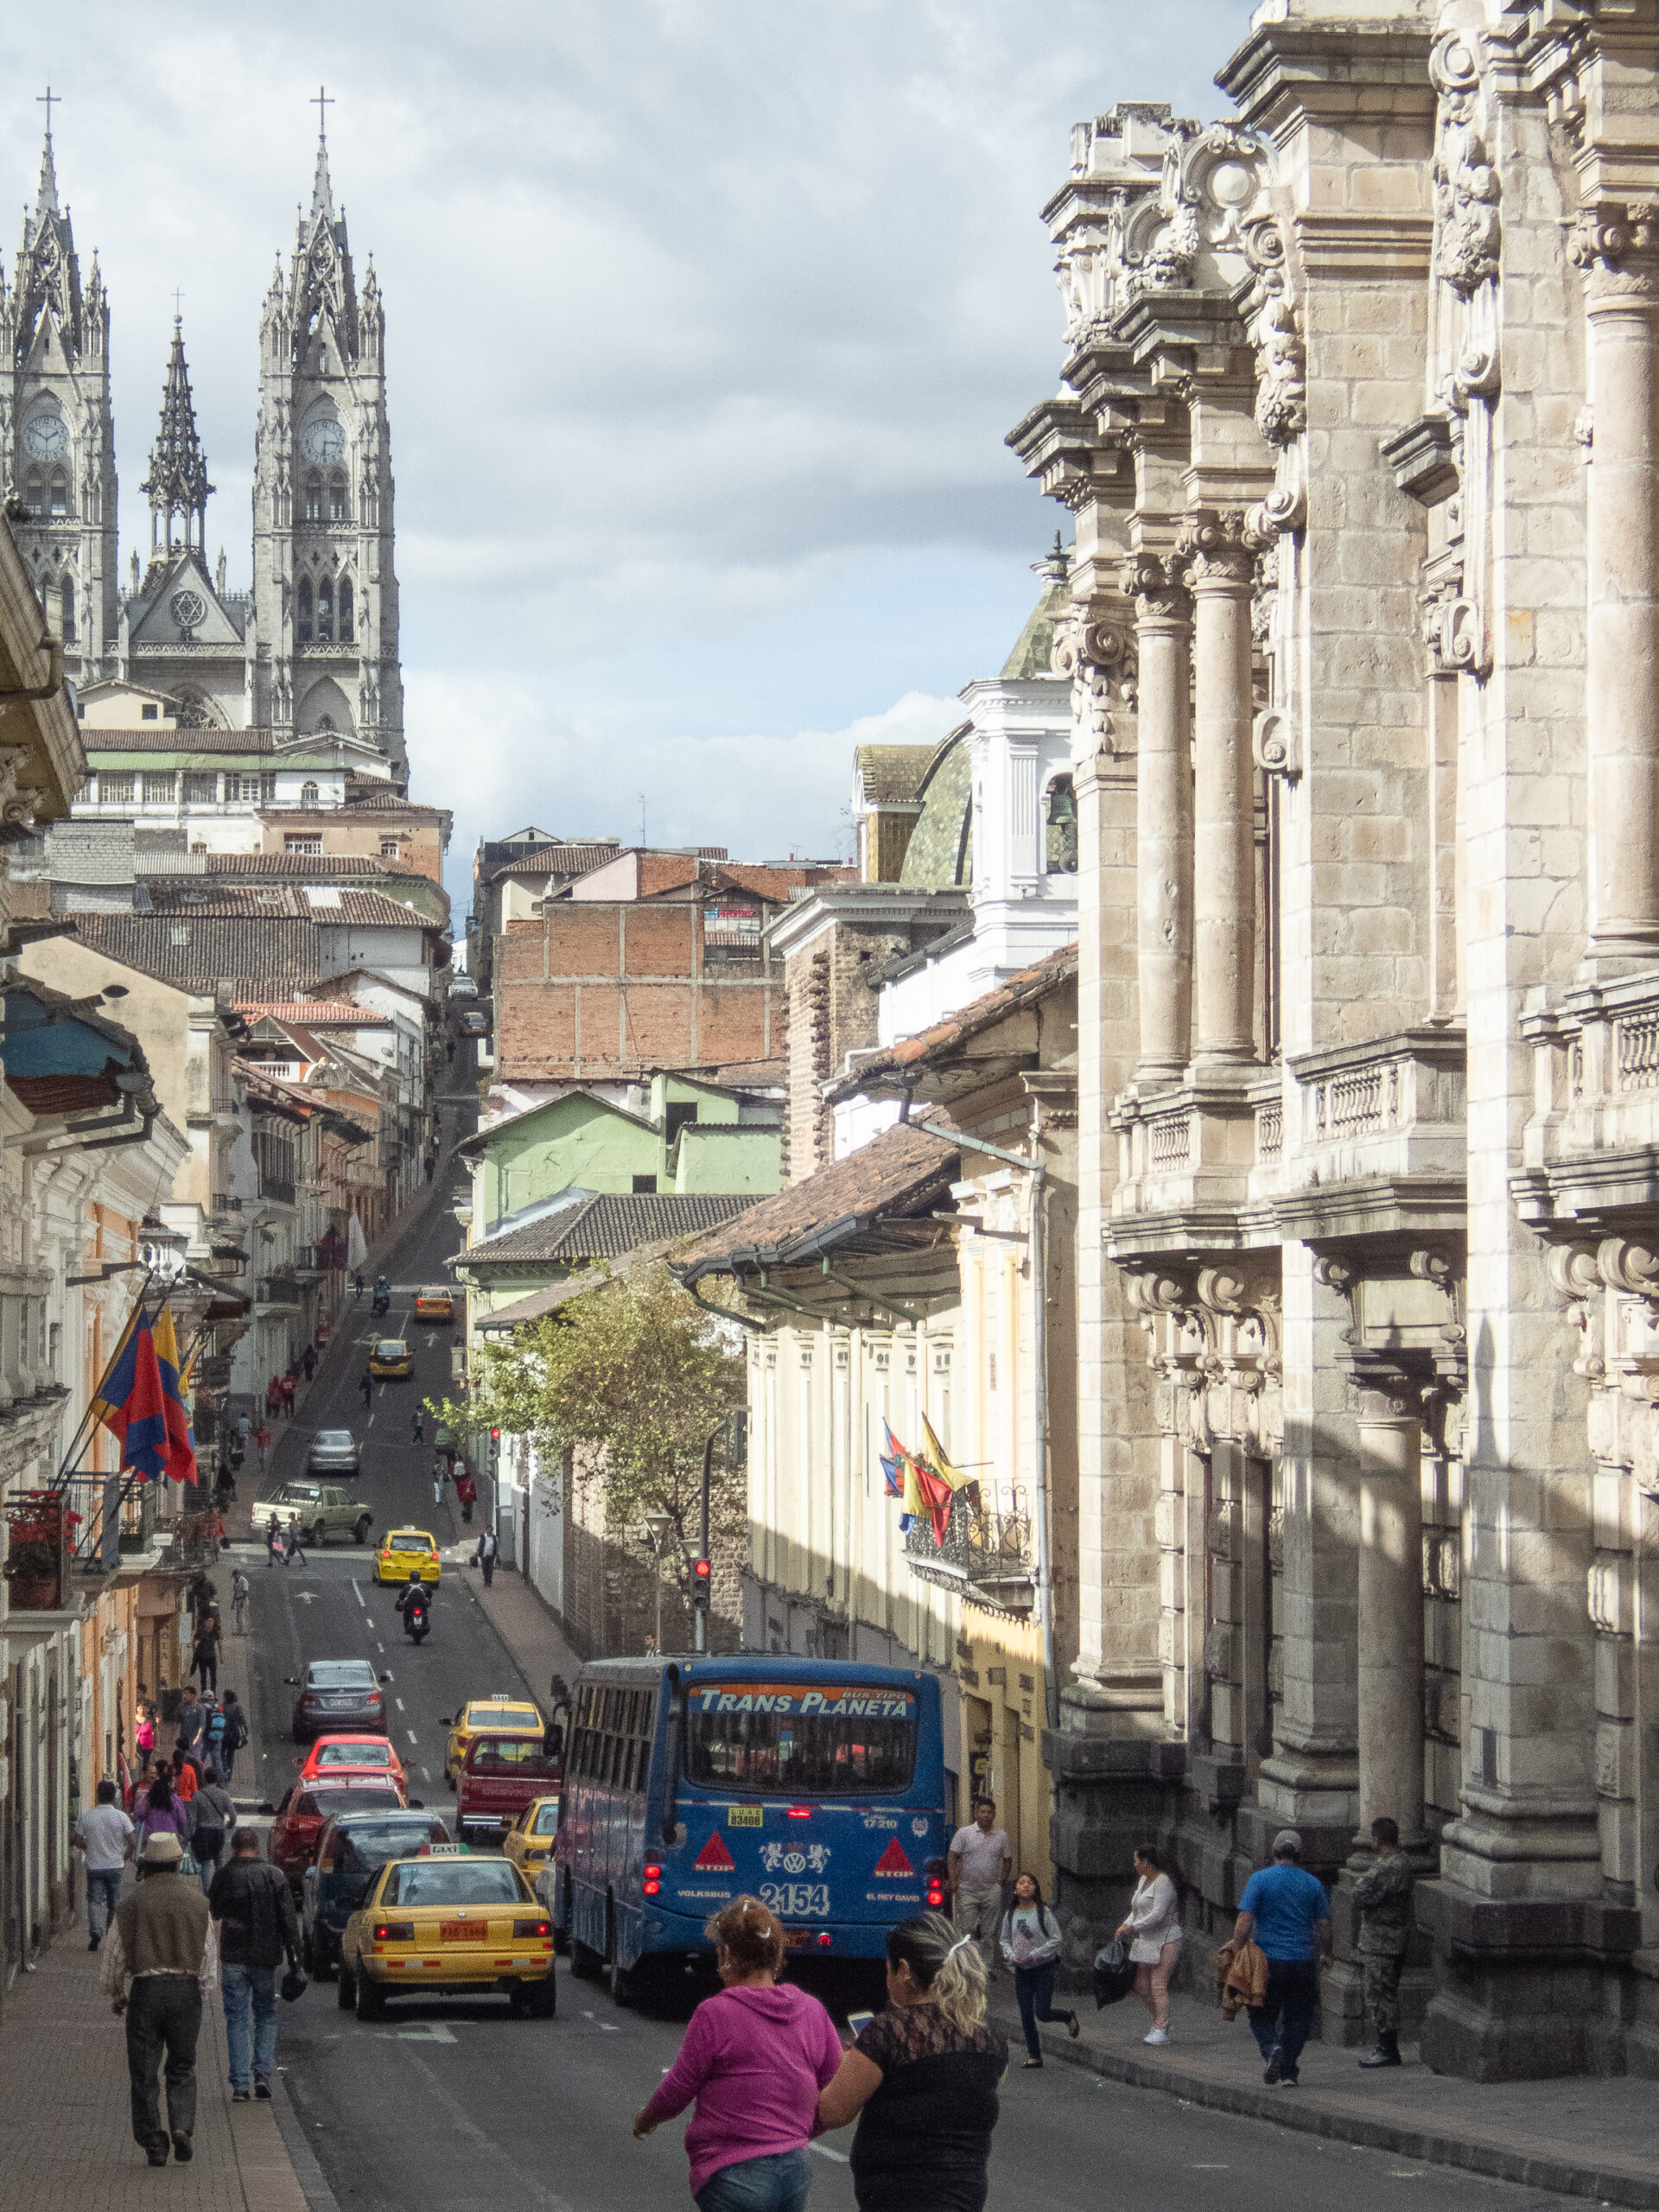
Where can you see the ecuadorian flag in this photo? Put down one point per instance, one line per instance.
(141, 1405)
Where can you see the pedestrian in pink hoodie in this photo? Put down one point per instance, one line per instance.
(754, 2059)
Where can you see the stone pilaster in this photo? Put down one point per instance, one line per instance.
(1221, 553)
(1164, 816)
(1390, 1579)
(1618, 249)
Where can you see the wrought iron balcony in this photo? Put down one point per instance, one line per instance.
(988, 1552)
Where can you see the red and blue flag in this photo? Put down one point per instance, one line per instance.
(140, 1403)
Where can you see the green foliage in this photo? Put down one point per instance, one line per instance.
(630, 1380)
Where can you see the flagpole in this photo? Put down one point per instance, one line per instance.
(87, 1418)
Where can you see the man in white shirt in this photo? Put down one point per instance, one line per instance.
(105, 1833)
(980, 1864)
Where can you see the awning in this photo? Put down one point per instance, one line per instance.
(62, 1058)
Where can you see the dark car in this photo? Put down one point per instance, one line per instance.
(350, 1852)
(306, 1810)
(338, 1697)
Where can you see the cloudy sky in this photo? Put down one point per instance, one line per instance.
(706, 320)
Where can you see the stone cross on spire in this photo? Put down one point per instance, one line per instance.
(322, 198)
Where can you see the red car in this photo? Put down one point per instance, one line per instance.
(499, 1777)
(333, 1758)
(308, 1807)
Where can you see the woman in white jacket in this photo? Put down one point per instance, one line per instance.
(1154, 1929)
(1031, 1944)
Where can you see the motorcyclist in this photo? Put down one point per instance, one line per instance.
(382, 1293)
(412, 1601)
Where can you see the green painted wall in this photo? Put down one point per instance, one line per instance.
(578, 1140)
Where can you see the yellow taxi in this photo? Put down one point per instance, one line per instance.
(450, 1921)
(390, 1360)
(502, 1714)
(530, 1840)
(405, 1551)
(435, 1303)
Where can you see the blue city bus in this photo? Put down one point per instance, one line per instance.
(814, 1785)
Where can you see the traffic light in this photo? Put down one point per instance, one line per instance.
(701, 1573)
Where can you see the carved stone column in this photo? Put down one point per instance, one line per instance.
(1390, 1436)
(1221, 553)
(1620, 257)
(1164, 816)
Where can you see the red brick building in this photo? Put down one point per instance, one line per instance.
(653, 960)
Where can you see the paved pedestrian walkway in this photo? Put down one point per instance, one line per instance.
(64, 2112)
(1591, 2137)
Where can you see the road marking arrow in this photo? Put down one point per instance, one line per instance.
(306, 1597)
(429, 2031)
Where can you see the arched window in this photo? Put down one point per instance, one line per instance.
(59, 488)
(336, 497)
(34, 491)
(68, 610)
(313, 497)
(325, 612)
(302, 624)
(309, 794)
(345, 611)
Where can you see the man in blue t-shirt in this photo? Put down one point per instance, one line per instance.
(1285, 1909)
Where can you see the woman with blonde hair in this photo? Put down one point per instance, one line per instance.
(754, 2059)
(922, 2079)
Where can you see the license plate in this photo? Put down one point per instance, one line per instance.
(460, 1931)
(743, 1816)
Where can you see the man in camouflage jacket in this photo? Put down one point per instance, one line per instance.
(1383, 1896)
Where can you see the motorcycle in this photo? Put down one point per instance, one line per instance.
(417, 1617)
(382, 1301)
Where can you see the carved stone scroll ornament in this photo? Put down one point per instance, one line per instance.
(1466, 185)
(1576, 1279)
(1454, 630)
(1280, 358)
(1096, 653)
(1276, 745)
(1220, 546)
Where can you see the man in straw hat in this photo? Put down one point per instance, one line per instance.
(159, 1959)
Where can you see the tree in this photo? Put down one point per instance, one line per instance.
(631, 1379)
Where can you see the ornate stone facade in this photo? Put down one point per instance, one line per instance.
(1355, 423)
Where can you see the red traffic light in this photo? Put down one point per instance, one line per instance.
(495, 1436)
(702, 1571)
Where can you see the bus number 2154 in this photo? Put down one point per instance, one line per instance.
(797, 1900)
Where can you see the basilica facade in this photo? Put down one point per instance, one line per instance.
(1356, 419)
(311, 652)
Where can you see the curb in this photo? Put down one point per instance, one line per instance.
(308, 2173)
(1566, 2176)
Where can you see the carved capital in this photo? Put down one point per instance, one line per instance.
(1219, 549)
(1157, 584)
(1616, 245)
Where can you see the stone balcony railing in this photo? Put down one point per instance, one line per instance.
(1355, 1140)
(1590, 1151)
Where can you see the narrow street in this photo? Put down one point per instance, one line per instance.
(457, 2103)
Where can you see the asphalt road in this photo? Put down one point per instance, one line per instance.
(456, 2104)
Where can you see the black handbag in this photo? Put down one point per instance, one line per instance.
(293, 1983)
(1114, 1974)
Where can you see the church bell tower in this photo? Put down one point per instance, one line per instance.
(324, 587)
(57, 434)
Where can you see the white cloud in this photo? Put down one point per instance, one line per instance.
(706, 320)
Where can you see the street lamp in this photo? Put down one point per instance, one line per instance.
(658, 1525)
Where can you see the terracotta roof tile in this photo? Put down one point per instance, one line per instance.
(206, 952)
(1030, 983)
(900, 1164)
(604, 1228)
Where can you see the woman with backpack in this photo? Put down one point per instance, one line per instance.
(1031, 1944)
(160, 1811)
(1154, 1928)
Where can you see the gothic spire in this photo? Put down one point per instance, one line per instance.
(46, 199)
(322, 196)
(177, 482)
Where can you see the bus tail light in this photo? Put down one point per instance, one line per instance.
(825, 1939)
(653, 1881)
(800, 1812)
(935, 1894)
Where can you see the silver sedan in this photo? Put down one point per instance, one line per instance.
(333, 1451)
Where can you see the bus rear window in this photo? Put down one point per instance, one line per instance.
(800, 1741)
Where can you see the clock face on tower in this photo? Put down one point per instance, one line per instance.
(44, 438)
(324, 441)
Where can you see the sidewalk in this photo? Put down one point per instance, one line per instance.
(1588, 2137)
(63, 2108)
